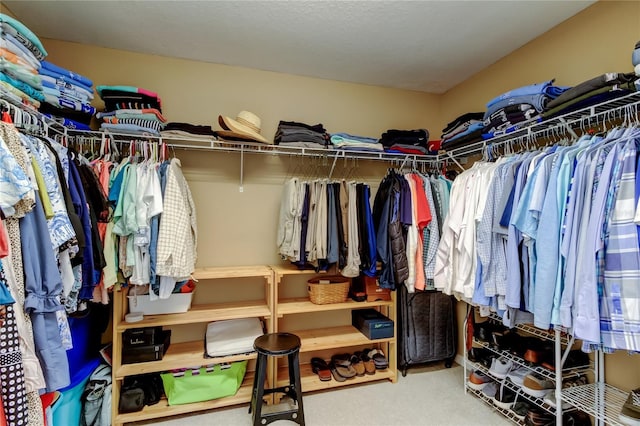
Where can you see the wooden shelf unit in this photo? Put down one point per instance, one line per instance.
(190, 353)
(339, 339)
(272, 309)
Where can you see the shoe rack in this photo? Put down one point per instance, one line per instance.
(325, 330)
(562, 344)
(277, 295)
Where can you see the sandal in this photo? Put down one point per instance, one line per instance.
(334, 371)
(321, 368)
(343, 365)
(378, 358)
(369, 365)
(357, 364)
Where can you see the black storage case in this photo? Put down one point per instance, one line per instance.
(426, 328)
(144, 353)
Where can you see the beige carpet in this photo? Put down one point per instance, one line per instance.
(426, 396)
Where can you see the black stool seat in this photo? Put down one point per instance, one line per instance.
(276, 345)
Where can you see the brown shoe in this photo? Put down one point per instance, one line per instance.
(358, 365)
(369, 365)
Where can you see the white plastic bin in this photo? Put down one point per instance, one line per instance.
(175, 304)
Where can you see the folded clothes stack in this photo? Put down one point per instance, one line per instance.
(350, 142)
(20, 54)
(406, 141)
(292, 133)
(593, 91)
(68, 95)
(467, 128)
(131, 110)
(191, 131)
(505, 112)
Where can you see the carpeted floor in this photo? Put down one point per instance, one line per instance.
(431, 395)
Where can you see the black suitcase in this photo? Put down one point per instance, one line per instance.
(426, 328)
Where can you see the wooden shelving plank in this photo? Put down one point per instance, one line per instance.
(334, 337)
(179, 355)
(204, 313)
(211, 273)
(163, 409)
(304, 305)
(283, 270)
(311, 382)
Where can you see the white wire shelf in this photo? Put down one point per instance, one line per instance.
(212, 144)
(507, 413)
(599, 400)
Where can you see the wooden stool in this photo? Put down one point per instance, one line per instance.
(277, 344)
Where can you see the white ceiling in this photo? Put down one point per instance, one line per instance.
(427, 46)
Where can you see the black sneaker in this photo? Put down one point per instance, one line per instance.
(630, 413)
(504, 397)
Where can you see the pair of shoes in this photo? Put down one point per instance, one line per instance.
(378, 358)
(630, 413)
(550, 398)
(504, 397)
(483, 331)
(341, 367)
(500, 367)
(482, 356)
(575, 359)
(368, 364)
(520, 409)
(478, 380)
(576, 418)
(517, 374)
(320, 367)
(536, 416)
(537, 385)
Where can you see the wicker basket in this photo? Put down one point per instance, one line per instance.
(328, 289)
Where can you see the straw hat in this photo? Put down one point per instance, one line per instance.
(245, 126)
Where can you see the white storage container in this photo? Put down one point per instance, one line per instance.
(175, 304)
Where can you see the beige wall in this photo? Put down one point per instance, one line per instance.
(599, 39)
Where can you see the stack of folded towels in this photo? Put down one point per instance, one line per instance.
(406, 141)
(20, 55)
(68, 96)
(505, 112)
(292, 133)
(131, 110)
(350, 142)
(464, 129)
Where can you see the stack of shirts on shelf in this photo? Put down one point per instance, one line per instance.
(291, 133)
(406, 141)
(68, 96)
(131, 110)
(191, 131)
(593, 91)
(465, 129)
(350, 142)
(505, 112)
(20, 54)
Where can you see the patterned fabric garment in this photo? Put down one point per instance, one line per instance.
(12, 139)
(12, 385)
(60, 229)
